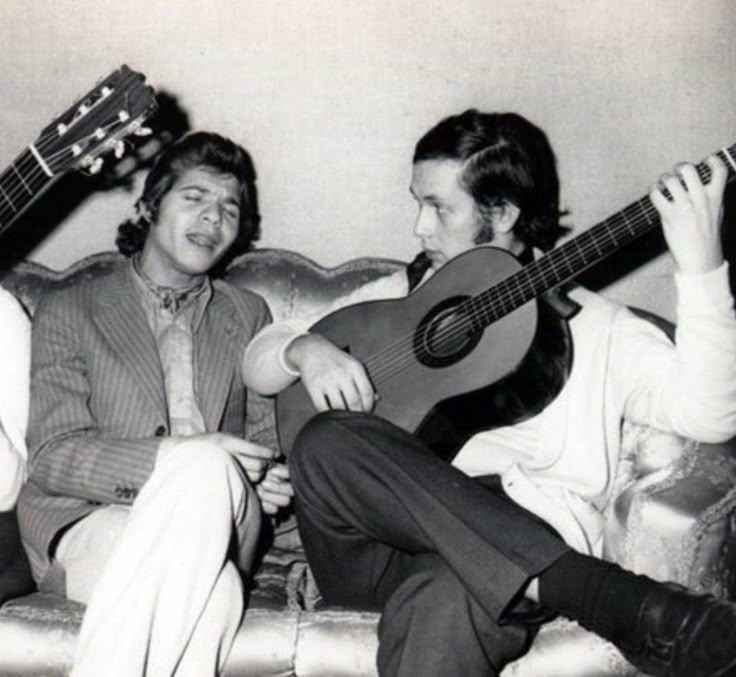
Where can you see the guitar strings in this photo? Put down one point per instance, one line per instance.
(470, 313)
(24, 182)
(496, 302)
(26, 178)
(41, 145)
(401, 354)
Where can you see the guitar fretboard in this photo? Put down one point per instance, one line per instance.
(574, 256)
(20, 183)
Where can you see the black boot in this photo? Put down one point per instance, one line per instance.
(662, 628)
(681, 634)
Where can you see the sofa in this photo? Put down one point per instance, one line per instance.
(674, 518)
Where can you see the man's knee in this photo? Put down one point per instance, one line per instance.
(200, 459)
(200, 470)
(318, 443)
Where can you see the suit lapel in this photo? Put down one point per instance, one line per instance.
(216, 345)
(122, 321)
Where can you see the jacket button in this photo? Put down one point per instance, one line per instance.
(160, 431)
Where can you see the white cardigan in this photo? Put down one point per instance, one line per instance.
(562, 463)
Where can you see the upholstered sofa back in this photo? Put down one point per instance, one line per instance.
(291, 283)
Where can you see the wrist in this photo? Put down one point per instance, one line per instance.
(293, 353)
(699, 267)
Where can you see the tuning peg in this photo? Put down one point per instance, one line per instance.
(91, 164)
(143, 131)
(119, 149)
(96, 166)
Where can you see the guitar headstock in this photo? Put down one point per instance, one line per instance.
(112, 110)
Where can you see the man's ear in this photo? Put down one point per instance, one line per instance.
(505, 217)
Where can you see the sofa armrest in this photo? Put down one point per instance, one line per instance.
(676, 518)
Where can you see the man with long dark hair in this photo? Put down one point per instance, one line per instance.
(457, 556)
(144, 498)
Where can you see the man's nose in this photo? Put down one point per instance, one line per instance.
(424, 223)
(212, 214)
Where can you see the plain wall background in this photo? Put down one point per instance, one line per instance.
(329, 97)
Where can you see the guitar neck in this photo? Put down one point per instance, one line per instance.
(96, 124)
(576, 255)
(21, 183)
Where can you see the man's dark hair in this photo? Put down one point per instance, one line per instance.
(506, 159)
(199, 149)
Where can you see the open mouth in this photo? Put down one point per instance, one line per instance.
(201, 240)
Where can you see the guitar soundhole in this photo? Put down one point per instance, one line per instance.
(445, 335)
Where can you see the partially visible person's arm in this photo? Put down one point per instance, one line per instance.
(15, 357)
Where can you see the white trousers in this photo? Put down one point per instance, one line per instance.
(162, 598)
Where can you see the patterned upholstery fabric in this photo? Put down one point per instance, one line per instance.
(674, 519)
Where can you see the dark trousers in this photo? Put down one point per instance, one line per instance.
(15, 572)
(387, 525)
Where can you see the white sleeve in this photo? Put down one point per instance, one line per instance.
(689, 388)
(265, 368)
(15, 359)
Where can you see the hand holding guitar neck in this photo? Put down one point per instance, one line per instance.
(691, 212)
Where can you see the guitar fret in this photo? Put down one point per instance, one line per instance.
(22, 180)
(521, 290)
(565, 260)
(590, 237)
(628, 223)
(729, 158)
(7, 199)
(643, 210)
(610, 234)
(576, 241)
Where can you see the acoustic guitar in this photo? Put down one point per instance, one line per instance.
(96, 124)
(469, 326)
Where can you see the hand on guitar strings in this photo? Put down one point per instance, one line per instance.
(333, 378)
(691, 214)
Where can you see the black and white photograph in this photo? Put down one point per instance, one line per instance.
(368, 338)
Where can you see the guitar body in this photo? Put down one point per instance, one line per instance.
(414, 363)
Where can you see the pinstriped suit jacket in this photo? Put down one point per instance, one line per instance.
(98, 404)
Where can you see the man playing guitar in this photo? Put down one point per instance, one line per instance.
(452, 554)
